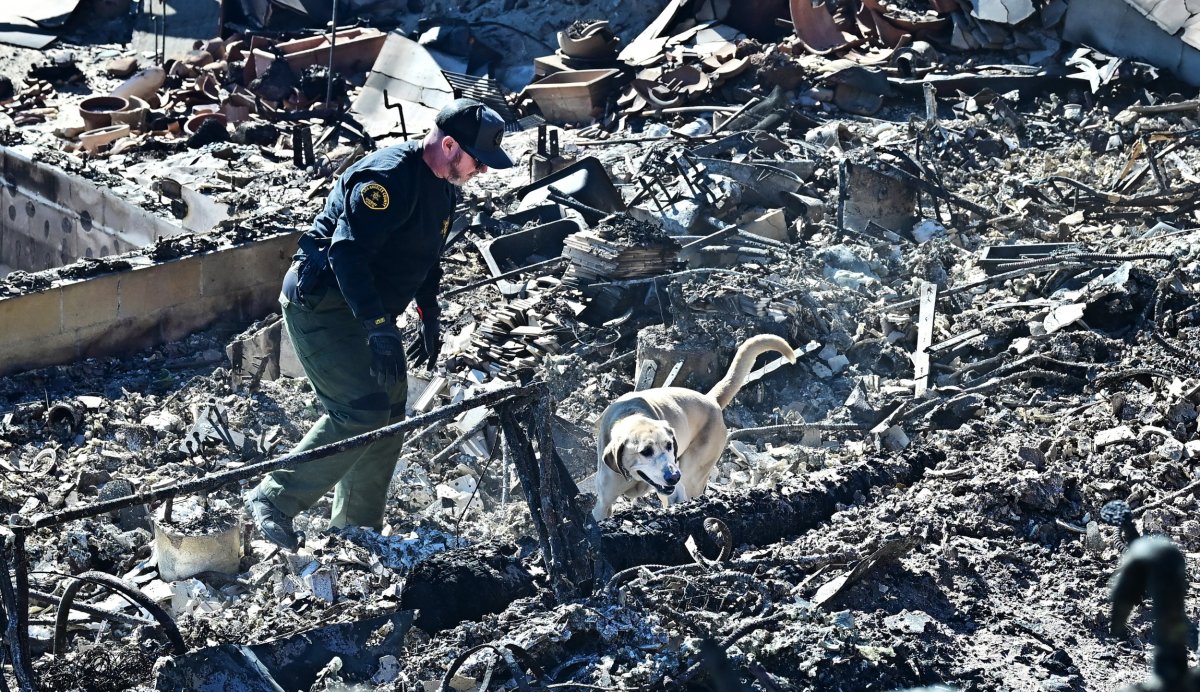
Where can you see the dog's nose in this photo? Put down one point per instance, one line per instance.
(672, 477)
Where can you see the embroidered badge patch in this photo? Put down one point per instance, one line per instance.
(375, 196)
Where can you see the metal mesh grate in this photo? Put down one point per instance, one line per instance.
(486, 89)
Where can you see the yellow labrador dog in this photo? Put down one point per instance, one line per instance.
(669, 438)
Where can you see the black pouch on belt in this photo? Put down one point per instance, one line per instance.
(309, 267)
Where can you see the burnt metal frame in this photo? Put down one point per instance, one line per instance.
(569, 537)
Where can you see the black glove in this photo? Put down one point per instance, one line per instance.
(387, 350)
(425, 348)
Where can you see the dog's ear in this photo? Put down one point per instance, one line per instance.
(670, 432)
(614, 459)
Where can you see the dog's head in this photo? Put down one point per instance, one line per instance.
(644, 449)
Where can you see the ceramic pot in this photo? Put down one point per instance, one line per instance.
(133, 115)
(135, 118)
(193, 123)
(92, 140)
(97, 111)
(596, 41)
(144, 84)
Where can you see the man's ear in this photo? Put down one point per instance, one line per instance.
(613, 458)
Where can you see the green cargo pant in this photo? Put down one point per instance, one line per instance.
(331, 344)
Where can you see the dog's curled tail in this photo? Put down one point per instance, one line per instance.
(724, 391)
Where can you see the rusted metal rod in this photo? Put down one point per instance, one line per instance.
(129, 592)
(794, 427)
(504, 277)
(333, 26)
(21, 524)
(51, 599)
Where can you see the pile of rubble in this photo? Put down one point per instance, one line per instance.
(985, 261)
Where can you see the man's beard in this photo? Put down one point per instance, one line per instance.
(456, 176)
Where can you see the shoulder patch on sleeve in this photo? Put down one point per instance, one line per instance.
(375, 196)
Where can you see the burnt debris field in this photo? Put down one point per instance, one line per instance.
(977, 223)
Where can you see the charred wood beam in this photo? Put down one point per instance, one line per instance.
(1042, 265)
(464, 584)
(691, 272)
(569, 537)
(467, 583)
(563, 504)
(771, 430)
(1166, 107)
(757, 517)
(998, 382)
(1164, 186)
(1027, 364)
(519, 455)
(15, 614)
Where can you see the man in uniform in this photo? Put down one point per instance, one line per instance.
(373, 248)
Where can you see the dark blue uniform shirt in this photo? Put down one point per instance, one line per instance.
(382, 232)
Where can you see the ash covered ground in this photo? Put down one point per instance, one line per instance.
(881, 539)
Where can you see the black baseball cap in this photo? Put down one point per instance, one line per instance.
(477, 129)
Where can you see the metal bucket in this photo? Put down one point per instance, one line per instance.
(185, 550)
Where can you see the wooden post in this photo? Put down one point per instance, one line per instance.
(15, 613)
(569, 537)
(920, 357)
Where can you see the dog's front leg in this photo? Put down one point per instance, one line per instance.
(606, 495)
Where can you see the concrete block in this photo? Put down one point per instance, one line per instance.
(142, 307)
(153, 289)
(51, 217)
(90, 302)
(31, 315)
(193, 315)
(122, 335)
(253, 265)
(39, 352)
